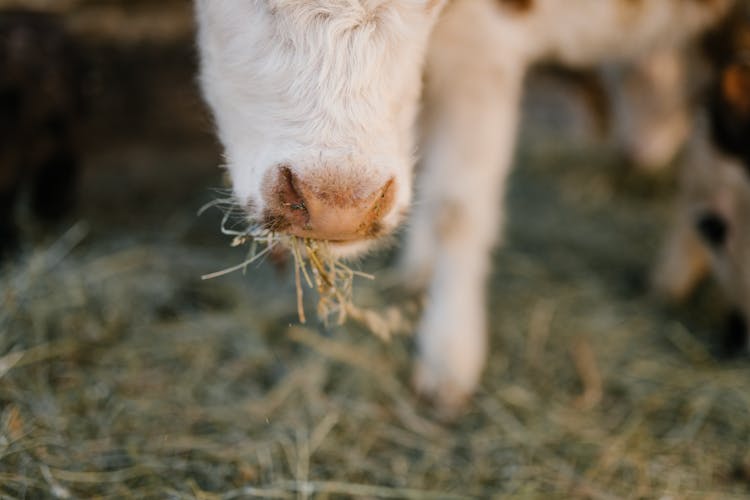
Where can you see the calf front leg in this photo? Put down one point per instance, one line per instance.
(471, 129)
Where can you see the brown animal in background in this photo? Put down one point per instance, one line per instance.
(712, 232)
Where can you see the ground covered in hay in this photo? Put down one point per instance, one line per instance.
(123, 375)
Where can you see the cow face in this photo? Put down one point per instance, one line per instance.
(315, 103)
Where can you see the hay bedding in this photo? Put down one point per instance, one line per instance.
(123, 375)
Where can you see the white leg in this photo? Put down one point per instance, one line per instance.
(473, 115)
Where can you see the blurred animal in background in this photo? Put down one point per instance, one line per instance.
(712, 230)
(40, 103)
(315, 104)
(651, 100)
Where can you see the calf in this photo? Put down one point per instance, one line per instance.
(315, 104)
(712, 232)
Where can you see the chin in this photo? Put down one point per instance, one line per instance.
(351, 250)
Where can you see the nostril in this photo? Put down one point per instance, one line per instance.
(288, 194)
(290, 204)
(382, 204)
(713, 229)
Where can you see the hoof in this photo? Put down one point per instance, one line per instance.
(447, 398)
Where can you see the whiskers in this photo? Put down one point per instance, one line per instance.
(226, 202)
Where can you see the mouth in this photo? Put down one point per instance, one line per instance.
(355, 248)
(349, 249)
(377, 236)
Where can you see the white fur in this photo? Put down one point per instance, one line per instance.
(315, 83)
(336, 82)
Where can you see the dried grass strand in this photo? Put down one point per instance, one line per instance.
(243, 265)
(364, 490)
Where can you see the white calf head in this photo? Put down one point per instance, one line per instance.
(315, 102)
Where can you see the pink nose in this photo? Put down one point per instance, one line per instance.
(326, 206)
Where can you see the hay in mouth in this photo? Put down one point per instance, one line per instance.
(316, 268)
